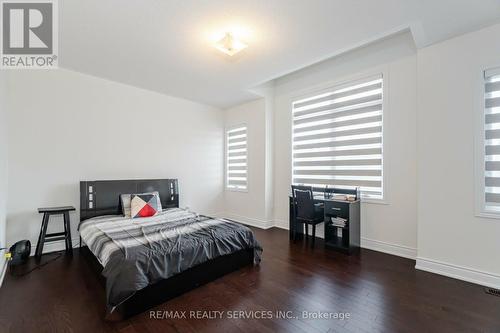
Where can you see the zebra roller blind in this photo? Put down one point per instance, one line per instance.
(236, 158)
(337, 138)
(492, 140)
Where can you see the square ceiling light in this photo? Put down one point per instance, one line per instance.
(230, 45)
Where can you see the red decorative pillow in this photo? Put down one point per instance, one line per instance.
(144, 205)
(126, 200)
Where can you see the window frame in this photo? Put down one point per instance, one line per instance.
(479, 146)
(349, 80)
(226, 159)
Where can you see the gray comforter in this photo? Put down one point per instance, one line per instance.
(139, 252)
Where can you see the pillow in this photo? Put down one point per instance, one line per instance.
(144, 205)
(126, 199)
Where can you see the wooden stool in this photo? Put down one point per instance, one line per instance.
(66, 235)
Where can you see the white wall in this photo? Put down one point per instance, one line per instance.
(3, 171)
(67, 127)
(433, 101)
(451, 239)
(390, 227)
(250, 206)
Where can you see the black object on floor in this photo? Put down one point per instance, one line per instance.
(492, 291)
(20, 252)
(66, 234)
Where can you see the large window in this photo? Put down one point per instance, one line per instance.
(337, 138)
(236, 158)
(492, 141)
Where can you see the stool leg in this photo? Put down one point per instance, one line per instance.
(65, 233)
(67, 226)
(41, 237)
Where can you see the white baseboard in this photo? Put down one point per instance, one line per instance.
(262, 224)
(433, 266)
(282, 224)
(54, 246)
(459, 272)
(371, 244)
(3, 270)
(394, 249)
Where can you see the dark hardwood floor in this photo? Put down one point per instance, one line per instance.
(382, 293)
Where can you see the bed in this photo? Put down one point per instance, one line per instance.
(147, 261)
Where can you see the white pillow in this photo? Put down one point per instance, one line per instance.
(126, 200)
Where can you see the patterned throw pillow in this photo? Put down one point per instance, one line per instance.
(144, 205)
(126, 202)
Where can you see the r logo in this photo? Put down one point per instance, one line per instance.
(27, 28)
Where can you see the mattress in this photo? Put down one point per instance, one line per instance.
(135, 253)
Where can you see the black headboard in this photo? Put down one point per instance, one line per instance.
(102, 197)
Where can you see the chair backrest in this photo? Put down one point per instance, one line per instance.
(303, 201)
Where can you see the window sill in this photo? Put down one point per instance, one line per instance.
(488, 215)
(374, 201)
(236, 190)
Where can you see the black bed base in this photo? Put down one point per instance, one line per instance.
(102, 197)
(177, 285)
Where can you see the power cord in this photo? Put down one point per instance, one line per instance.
(59, 255)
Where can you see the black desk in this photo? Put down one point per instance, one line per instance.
(345, 239)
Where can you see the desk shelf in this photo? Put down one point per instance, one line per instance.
(339, 244)
(335, 241)
(345, 239)
(349, 241)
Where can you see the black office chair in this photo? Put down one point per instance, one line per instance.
(305, 211)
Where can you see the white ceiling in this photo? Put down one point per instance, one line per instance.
(163, 45)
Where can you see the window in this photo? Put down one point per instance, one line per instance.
(492, 141)
(236, 158)
(337, 138)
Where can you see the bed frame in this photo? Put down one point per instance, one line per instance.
(102, 197)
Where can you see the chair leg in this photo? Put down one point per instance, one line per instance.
(41, 237)
(313, 234)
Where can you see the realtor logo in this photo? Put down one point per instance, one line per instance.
(29, 34)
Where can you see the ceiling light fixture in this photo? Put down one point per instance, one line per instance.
(230, 45)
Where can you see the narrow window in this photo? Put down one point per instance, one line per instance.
(236, 158)
(492, 141)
